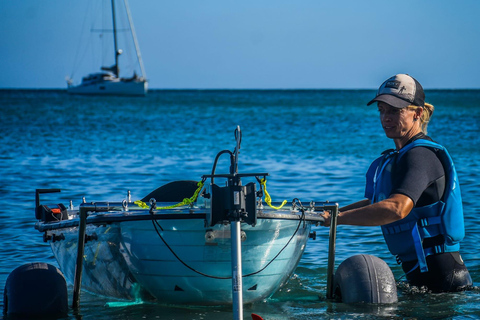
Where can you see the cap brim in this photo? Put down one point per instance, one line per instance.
(391, 100)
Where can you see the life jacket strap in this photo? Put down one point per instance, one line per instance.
(417, 241)
(425, 222)
(422, 253)
(399, 228)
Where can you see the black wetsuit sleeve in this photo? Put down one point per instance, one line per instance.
(419, 175)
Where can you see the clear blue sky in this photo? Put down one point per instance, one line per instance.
(257, 44)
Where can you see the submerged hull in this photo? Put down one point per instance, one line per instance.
(179, 261)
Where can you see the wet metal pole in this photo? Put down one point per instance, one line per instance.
(237, 283)
(235, 230)
(331, 248)
(80, 252)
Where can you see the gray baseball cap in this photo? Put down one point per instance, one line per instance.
(400, 91)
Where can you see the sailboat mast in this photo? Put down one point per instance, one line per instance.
(117, 53)
(135, 42)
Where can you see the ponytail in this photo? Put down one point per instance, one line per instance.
(426, 115)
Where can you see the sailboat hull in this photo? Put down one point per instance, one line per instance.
(118, 87)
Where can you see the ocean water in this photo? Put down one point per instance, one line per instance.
(316, 145)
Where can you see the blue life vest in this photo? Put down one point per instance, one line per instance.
(405, 237)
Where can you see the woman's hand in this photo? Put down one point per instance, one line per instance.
(327, 217)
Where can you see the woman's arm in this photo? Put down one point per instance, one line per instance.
(358, 204)
(397, 207)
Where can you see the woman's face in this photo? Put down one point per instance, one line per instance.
(397, 123)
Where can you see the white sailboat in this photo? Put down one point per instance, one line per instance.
(109, 81)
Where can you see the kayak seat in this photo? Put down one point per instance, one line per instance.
(174, 191)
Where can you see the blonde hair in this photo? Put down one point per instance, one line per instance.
(426, 115)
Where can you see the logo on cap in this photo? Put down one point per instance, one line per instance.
(392, 84)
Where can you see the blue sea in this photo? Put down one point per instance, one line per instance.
(315, 144)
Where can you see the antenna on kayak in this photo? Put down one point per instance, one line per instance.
(238, 139)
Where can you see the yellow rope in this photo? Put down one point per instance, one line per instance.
(268, 200)
(191, 200)
(141, 204)
(185, 201)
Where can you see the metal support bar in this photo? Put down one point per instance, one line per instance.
(237, 282)
(331, 248)
(40, 191)
(236, 206)
(80, 252)
(238, 175)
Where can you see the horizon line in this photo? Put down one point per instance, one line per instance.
(232, 89)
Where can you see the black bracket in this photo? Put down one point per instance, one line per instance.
(233, 203)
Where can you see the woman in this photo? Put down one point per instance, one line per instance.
(413, 193)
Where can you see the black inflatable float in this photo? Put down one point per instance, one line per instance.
(364, 278)
(35, 290)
